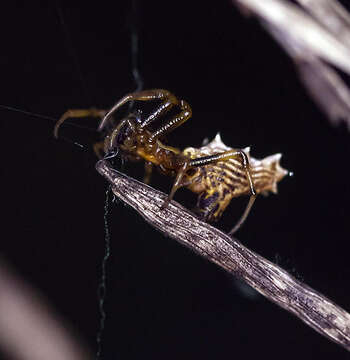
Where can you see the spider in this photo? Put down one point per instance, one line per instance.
(215, 172)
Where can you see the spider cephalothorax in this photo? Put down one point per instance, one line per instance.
(215, 172)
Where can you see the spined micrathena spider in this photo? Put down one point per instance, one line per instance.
(215, 172)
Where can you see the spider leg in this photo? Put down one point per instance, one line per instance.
(244, 216)
(232, 154)
(170, 125)
(177, 184)
(146, 95)
(78, 113)
(148, 172)
(174, 122)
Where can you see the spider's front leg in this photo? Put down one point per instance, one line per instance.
(81, 113)
(78, 113)
(168, 101)
(170, 125)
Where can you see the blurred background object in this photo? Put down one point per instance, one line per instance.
(29, 327)
(316, 35)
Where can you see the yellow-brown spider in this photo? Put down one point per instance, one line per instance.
(216, 172)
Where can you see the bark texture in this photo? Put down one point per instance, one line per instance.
(267, 278)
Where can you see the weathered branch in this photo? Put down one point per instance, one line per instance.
(273, 282)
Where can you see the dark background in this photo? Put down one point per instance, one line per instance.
(163, 301)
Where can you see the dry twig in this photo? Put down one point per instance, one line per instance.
(270, 280)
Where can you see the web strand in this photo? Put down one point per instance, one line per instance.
(72, 50)
(134, 47)
(102, 287)
(134, 38)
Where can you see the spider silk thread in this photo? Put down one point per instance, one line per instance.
(102, 286)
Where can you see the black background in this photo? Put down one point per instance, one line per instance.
(163, 301)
